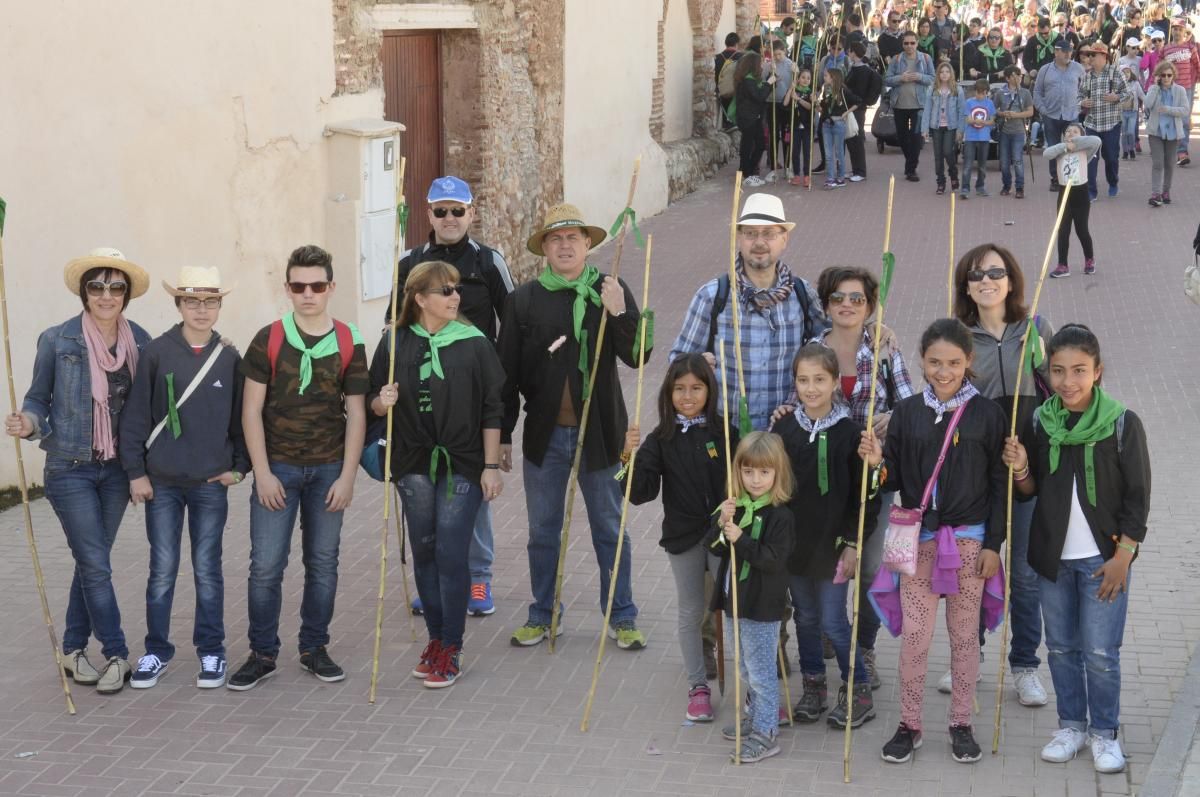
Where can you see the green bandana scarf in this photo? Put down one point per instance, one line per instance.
(1045, 47)
(926, 45)
(750, 517)
(584, 293)
(325, 346)
(453, 332)
(1097, 423)
(992, 56)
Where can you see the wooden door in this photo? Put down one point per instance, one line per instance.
(412, 88)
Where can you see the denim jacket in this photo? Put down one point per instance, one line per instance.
(898, 66)
(955, 109)
(60, 395)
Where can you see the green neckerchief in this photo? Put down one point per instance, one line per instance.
(438, 453)
(751, 518)
(325, 346)
(172, 408)
(1045, 47)
(992, 55)
(584, 293)
(925, 45)
(452, 332)
(1097, 423)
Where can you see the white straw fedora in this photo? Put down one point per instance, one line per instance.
(764, 210)
(195, 281)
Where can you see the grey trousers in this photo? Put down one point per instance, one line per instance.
(1162, 163)
(689, 570)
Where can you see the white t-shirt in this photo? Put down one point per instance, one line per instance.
(1080, 544)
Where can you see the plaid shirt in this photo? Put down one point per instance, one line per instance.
(860, 399)
(769, 341)
(1103, 115)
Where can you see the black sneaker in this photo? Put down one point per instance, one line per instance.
(317, 662)
(963, 746)
(256, 669)
(900, 748)
(819, 169)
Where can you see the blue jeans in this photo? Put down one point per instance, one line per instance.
(1110, 151)
(207, 508)
(1012, 152)
(974, 155)
(439, 531)
(833, 134)
(821, 606)
(1025, 604)
(1083, 635)
(545, 492)
(90, 499)
(1129, 130)
(305, 488)
(1053, 129)
(481, 554)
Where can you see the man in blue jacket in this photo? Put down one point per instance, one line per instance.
(908, 79)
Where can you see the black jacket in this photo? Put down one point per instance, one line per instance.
(483, 274)
(536, 318)
(751, 97)
(210, 421)
(690, 467)
(1122, 491)
(465, 402)
(973, 484)
(821, 519)
(763, 595)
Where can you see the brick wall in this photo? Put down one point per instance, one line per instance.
(358, 62)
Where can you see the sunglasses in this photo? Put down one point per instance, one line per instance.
(446, 290)
(994, 274)
(193, 303)
(457, 212)
(98, 288)
(857, 299)
(317, 287)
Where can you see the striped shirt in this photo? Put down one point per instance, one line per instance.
(1103, 115)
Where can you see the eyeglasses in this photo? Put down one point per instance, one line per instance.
(457, 212)
(1168, 74)
(193, 303)
(992, 36)
(857, 299)
(317, 287)
(994, 274)
(757, 235)
(97, 288)
(446, 290)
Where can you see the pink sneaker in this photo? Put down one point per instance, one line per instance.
(1060, 271)
(699, 707)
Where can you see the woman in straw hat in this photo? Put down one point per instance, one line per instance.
(81, 375)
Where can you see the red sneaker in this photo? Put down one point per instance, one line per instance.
(446, 669)
(429, 657)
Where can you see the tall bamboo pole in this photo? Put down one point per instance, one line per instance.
(573, 480)
(950, 275)
(24, 486)
(733, 590)
(862, 509)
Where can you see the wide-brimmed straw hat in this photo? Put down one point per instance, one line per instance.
(196, 281)
(1094, 49)
(764, 210)
(106, 257)
(560, 217)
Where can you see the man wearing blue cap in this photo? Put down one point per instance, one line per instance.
(484, 283)
(1056, 97)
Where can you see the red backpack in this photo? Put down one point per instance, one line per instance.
(345, 341)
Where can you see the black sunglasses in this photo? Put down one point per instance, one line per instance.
(994, 274)
(446, 290)
(96, 288)
(857, 299)
(298, 287)
(441, 212)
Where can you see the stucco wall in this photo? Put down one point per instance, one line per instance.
(726, 25)
(677, 88)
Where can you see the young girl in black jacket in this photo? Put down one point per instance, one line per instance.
(749, 100)
(758, 524)
(685, 455)
(822, 444)
(1084, 455)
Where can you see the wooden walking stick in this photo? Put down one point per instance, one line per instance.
(401, 218)
(950, 276)
(646, 321)
(732, 573)
(573, 479)
(885, 284)
(787, 693)
(24, 485)
(719, 631)
(743, 405)
(1028, 349)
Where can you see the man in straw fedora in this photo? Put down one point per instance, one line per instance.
(182, 448)
(547, 348)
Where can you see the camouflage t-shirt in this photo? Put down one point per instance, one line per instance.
(308, 429)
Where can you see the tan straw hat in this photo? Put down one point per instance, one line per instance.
(196, 281)
(106, 257)
(557, 218)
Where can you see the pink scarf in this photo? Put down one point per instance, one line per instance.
(100, 364)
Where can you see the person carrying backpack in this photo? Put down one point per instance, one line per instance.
(864, 81)
(724, 65)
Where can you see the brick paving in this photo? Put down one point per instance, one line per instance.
(511, 726)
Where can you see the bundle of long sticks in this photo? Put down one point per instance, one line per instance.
(24, 485)
(573, 480)
(1030, 331)
(387, 449)
(884, 287)
(732, 573)
(637, 415)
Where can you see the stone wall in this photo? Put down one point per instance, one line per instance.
(358, 61)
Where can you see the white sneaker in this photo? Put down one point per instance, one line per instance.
(946, 685)
(1067, 742)
(753, 181)
(856, 178)
(1107, 755)
(772, 177)
(1030, 691)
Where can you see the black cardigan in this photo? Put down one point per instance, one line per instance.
(692, 480)
(763, 595)
(534, 318)
(751, 97)
(973, 484)
(821, 519)
(465, 402)
(1122, 492)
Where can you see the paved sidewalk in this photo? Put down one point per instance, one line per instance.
(511, 726)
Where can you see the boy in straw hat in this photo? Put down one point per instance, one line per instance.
(547, 348)
(182, 448)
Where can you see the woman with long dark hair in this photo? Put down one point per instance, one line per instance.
(749, 100)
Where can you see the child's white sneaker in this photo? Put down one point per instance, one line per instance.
(1065, 745)
(1107, 755)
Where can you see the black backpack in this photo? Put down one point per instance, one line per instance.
(799, 290)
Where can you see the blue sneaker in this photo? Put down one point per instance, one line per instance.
(417, 608)
(1112, 190)
(149, 669)
(480, 602)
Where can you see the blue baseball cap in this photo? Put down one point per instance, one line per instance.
(449, 189)
(1062, 43)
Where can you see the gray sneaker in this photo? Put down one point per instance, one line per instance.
(872, 672)
(814, 701)
(756, 747)
(115, 674)
(76, 665)
(861, 708)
